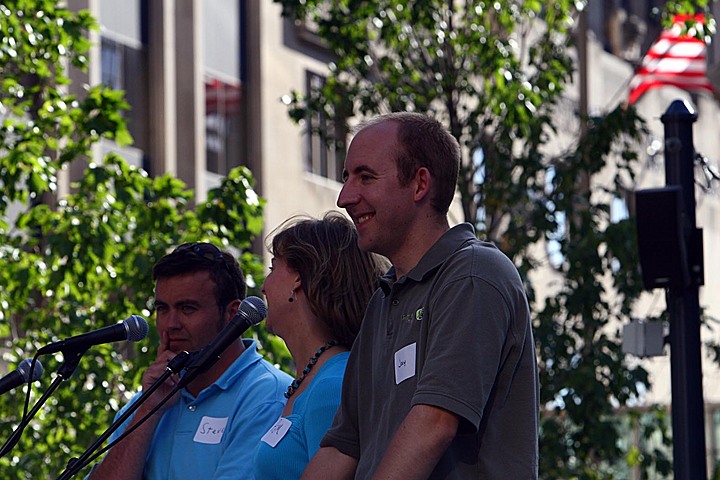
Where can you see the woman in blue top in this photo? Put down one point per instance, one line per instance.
(317, 290)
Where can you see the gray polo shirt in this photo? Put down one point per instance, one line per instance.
(454, 333)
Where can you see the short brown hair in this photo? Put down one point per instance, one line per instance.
(337, 277)
(194, 257)
(425, 142)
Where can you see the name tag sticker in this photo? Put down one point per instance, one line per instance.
(276, 433)
(405, 363)
(210, 430)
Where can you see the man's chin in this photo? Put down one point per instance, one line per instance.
(367, 244)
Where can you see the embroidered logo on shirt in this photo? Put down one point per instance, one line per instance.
(409, 317)
(210, 430)
(405, 363)
(276, 433)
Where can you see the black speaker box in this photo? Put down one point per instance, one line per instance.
(661, 244)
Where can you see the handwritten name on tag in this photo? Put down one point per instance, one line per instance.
(276, 433)
(405, 363)
(210, 430)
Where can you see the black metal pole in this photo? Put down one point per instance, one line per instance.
(683, 305)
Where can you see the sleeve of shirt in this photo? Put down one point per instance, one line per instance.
(237, 459)
(116, 434)
(469, 322)
(121, 429)
(321, 408)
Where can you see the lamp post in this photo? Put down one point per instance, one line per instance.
(671, 256)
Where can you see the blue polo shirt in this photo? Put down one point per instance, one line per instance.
(214, 436)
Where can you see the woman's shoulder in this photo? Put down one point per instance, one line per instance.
(326, 385)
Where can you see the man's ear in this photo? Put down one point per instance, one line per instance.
(422, 181)
(231, 310)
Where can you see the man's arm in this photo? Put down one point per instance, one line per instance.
(127, 461)
(418, 444)
(330, 463)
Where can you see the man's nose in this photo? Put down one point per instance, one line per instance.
(348, 196)
(172, 319)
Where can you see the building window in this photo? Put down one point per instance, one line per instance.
(222, 124)
(325, 138)
(112, 60)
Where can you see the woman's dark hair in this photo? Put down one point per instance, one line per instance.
(337, 277)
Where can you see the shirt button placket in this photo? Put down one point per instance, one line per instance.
(393, 303)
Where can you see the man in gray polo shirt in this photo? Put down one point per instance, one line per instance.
(442, 379)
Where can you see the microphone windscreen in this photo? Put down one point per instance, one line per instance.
(254, 309)
(24, 369)
(137, 328)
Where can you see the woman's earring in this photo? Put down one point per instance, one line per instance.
(292, 296)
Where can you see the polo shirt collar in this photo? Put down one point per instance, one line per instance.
(241, 364)
(450, 241)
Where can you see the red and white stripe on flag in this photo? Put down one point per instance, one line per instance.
(674, 59)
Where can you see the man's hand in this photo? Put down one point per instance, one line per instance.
(155, 371)
(330, 463)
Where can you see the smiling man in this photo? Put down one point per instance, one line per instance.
(442, 380)
(209, 429)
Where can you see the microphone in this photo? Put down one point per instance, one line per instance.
(21, 375)
(133, 328)
(252, 311)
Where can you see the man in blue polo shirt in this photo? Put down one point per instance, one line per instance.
(209, 429)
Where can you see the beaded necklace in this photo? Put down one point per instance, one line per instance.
(313, 360)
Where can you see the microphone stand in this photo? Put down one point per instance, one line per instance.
(174, 366)
(72, 358)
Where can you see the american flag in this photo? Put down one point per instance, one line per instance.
(674, 59)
